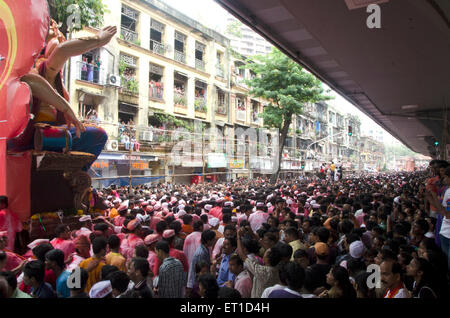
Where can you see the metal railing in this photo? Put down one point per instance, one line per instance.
(130, 85)
(240, 81)
(180, 57)
(221, 108)
(199, 64)
(129, 35)
(200, 104)
(156, 90)
(179, 98)
(219, 71)
(157, 47)
(90, 73)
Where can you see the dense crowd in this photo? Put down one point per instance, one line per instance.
(300, 238)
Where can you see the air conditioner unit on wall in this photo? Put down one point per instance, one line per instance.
(146, 135)
(113, 80)
(112, 145)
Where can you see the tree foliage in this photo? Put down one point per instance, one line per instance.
(285, 84)
(234, 29)
(287, 87)
(90, 13)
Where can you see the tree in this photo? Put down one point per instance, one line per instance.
(287, 87)
(234, 29)
(90, 13)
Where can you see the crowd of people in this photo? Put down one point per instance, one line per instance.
(127, 135)
(308, 238)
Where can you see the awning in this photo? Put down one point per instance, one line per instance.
(182, 74)
(226, 90)
(121, 156)
(89, 98)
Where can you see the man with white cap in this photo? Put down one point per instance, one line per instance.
(114, 210)
(101, 289)
(214, 223)
(86, 227)
(259, 217)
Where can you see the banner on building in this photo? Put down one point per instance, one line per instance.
(236, 164)
(217, 160)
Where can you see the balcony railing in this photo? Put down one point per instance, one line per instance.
(221, 109)
(90, 73)
(156, 90)
(200, 104)
(129, 35)
(199, 64)
(219, 71)
(180, 98)
(130, 85)
(241, 81)
(157, 47)
(180, 57)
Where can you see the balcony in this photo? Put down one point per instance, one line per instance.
(157, 47)
(129, 36)
(180, 99)
(240, 81)
(130, 86)
(200, 65)
(156, 90)
(180, 57)
(221, 109)
(219, 71)
(90, 73)
(200, 104)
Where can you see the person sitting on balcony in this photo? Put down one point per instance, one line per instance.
(134, 143)
(126, 140)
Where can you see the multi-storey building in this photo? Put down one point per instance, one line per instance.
(166, 71)
(249, 43)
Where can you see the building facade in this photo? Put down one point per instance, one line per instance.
(249, 42)
(167, 85)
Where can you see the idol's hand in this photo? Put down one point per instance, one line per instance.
(105, 35)
(71, 119)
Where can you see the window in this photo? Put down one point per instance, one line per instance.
(89, 69)
(180, 85)
(255, 111)
(180, 43)
(128, 23)
(156, 87)
(128, 73)
(199, 52)
(156, 37)
(200, 96)
(221, 107)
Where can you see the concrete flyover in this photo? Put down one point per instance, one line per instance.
(397, 74)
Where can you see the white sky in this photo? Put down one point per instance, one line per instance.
(212, 15)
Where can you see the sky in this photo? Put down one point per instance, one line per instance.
(212, 15)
